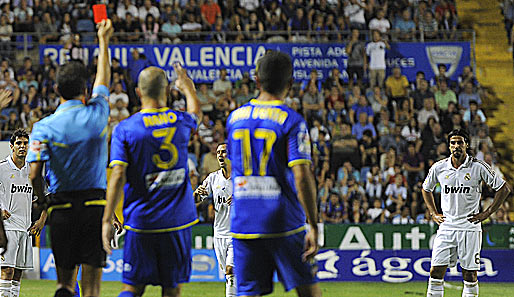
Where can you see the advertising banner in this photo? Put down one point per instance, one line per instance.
(204, 61)
(405, 265)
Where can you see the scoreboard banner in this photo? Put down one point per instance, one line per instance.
(203, 61)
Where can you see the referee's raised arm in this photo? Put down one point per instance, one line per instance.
(103, 72)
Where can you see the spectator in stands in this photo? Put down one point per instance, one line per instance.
(171, 30)
(146, 9)
(344, 147)
(402, 113)
(191, 26)
(385, 127)
(313, 104)
(354, 12)
(218, 32)
(138, 63)
(380, 23)
(444, 96)
(467, 96)
(336, 105)
(27, 66)
(23, 17)
(334, 80)
(222, 84)
(313, 80)
(377, 214)
(28, 80)
(377, 65)
(447, 25)
(210, 11)
(441, 75)
(473, 114)
(428, 25)
(299, 22)
(10, 84)
(444, 7)
(6, 31)
(357, 62)
(11, 125)
(403, 217)
(481, 137)
(397, 87)
(427, 112)
(236, 26)
(207, 98)
(66, 28)
(467, 76)
(374, 183)
(419, 95)
(358, 211)
(49, 82)
(254, 28)
(273, 25)
(432, 136)
(362, 125)
(118, 94)
(411, 132)
(5, 9)
(132, 26)
(119, 112)
(47, 29)
(333, 211)
(244, 96)
(150, 29)
(413, 165)
(361, 106)
(209, 162)
(127, 7)
(405, 26)
(416, 85)
(396, 194)
(377, 99)
(369, 149)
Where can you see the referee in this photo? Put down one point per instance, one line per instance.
(72, 143)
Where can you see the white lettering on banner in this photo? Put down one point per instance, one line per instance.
(329, 269)
(396, 273)
(223, 54)
(487, 265)
(235, 51)
(418, 266)
(336, 52)
(414, 236)
(113, 266)
(431, 241)
(206, 56)
(306, 51)
(401, 62)
(315, 63)
(176, 56)
(189, 62)
(161, 58)
(361, 244)
(397, 241)
(256, 187)
(364, 266)
(379, 241)
(49, 263)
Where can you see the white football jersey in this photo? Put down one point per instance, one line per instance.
(16, 195)
(221, 189)
(460, 190)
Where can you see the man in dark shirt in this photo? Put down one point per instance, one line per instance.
(420, 94)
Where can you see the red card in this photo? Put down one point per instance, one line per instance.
(99, 12)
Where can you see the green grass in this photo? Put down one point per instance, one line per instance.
(40, 288)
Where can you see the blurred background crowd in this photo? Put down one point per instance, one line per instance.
(374, 136)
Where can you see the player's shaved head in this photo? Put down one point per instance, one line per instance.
(152, 82)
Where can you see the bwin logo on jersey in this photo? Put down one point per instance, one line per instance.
(21, 189)
(457, 190)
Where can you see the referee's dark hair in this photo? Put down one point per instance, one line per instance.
(17, 134)
(459, 132)
(71, 80)
(275, 72)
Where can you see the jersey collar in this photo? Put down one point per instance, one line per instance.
(466, 163)
(69, 104)
(13, 166)
(154, 110)
(263, 102)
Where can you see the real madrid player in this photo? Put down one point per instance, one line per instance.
(219, 185)
(16, 200)
(460, 235)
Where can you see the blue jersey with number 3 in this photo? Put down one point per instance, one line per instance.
(153, 146)
(265, 139)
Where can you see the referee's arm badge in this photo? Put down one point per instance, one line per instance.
(37, 146)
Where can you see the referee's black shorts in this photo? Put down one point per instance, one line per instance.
(75, 220)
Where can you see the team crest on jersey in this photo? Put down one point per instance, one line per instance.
(447, 177)
(12, 176)
(467, 176)
(37, 146)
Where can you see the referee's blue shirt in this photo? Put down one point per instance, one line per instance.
(73, 143)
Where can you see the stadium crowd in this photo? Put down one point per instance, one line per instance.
(373, 137)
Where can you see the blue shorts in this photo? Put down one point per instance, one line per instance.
(256, 259)
(159, 259)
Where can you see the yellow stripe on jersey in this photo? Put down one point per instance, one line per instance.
(154, 110)
(117, 162)
(98, 202)
(262, 102)
(58, 206)
(267, 235)
(59, 144)
(161, 230)
(299, 162)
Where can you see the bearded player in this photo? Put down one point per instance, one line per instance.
(219, 185)
(460, 233)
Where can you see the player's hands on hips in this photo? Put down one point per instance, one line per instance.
(311, 245)
(199, 192)
(107, 236)
(36, 228)
(5, 98)
(479, 217)
(105, 30)
(5, 214)
(438, 218)
(183, 82)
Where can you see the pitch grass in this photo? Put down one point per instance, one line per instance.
(44, 288)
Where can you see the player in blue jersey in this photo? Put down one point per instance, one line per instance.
(149, 160)
(274, 189)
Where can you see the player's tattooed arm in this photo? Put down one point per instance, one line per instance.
(430, 202)
(499, 198)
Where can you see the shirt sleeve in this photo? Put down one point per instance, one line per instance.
(119, 154)
(490, 177)
(430, 181)
(299, 144)
(100, 101)
(38, 147)
(207, 183)
(191, 120)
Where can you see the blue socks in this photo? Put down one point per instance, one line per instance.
(77, 290)
(126, 294)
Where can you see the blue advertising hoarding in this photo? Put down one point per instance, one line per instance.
(204, 61)
(334, 265)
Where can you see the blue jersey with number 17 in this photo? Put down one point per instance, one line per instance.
(265, 139)
(153, 146)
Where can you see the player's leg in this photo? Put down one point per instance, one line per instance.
(66, 278)
(6, 281)
(444, 254)
(91, 279)
(174, 261)
(470, 243)
(292, 271)
(253, 267)
(230, 287)
(171, 292)
(470, 283)
(436, 281)
(8, 262)
(140, 263)
(16, 283)
(132, 291)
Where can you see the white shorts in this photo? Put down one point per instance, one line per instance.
(450, 245)
(224, 252)
(19, 250)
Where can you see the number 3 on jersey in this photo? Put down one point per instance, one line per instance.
(166, 145)
(269, 137)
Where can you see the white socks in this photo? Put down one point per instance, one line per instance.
(435, 287)
(5, 288)
(230, 286)
(15, 288)
(470, 289)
